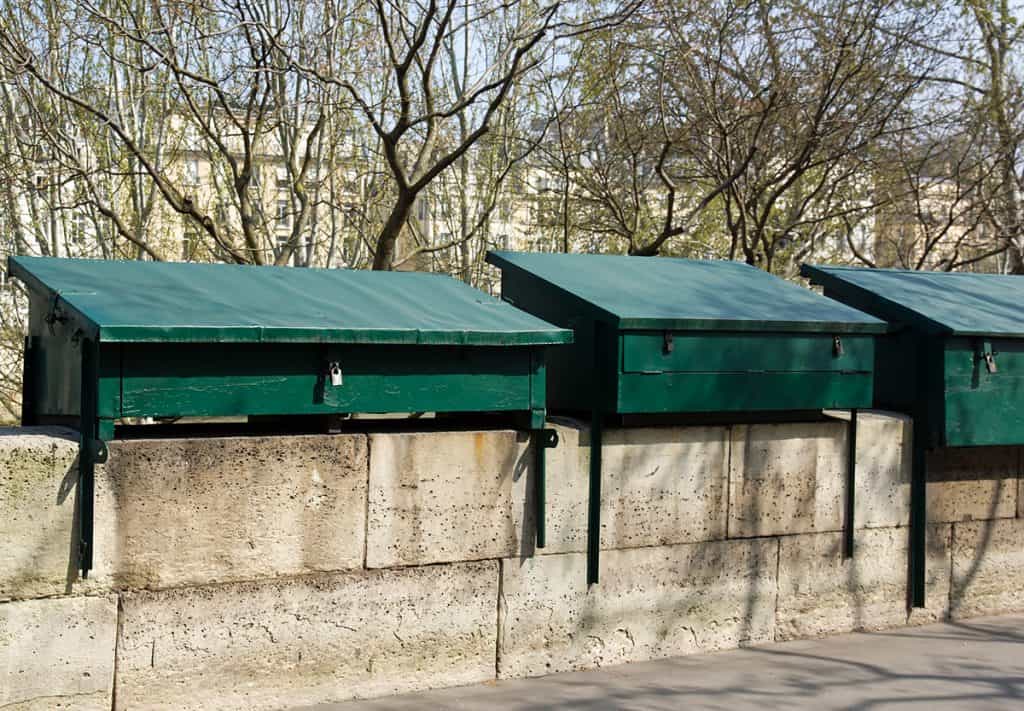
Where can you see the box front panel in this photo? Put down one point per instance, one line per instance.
(731, 352)
(573, 378)
(981, 407)
(281, 379)
(58, 362)
(736, 372)
(739, 392)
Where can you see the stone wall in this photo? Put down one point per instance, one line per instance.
(260, 572)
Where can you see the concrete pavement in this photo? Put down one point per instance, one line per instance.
(976, 664)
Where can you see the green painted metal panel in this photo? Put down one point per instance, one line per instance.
(983, 408)
(174, 302)
(275, 379)
(931, 366)
(637, 293)
(648, 352)
(954, 303)
(570, 367)
(58, 361)
(754, 351)
(742, 392)
(108, 391)
(895, 387)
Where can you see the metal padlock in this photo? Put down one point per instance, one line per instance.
(335, 372)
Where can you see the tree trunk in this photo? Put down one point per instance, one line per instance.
(388, 237)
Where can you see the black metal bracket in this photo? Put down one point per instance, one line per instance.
(543, 439)
(91, 450)
(918, 517)
(851, 487)
(594, 500)
(99, 451)
(549, 438)
(54, 314)
(597, 413)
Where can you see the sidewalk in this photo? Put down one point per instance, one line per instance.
(976, 664)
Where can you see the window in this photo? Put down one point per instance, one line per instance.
(283, 179)
(80, 229)
(283, 215)
(192, 172)
(422, 209)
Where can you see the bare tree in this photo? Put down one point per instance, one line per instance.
(992, 77)
(151, 79)
(424, 121)
(761, 119)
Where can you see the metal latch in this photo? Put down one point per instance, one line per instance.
(837, 347)
(668, 345)
(989, 356)
(334, 370)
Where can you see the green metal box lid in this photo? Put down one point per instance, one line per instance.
(135, 301)
(950, 303)
(670, 293)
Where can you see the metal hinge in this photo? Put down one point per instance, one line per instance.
(548, 438)
(55, 313)
(95, 450)
(837, 347)
(668, 345)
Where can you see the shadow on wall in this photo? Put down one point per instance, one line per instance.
(39, 488)
(68, 485)
(524, 467)
(976, 486)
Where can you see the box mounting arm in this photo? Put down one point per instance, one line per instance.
(91, 451)
(851, 486)
(543, 439)
(596, 434)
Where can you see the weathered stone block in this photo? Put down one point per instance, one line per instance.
(650, 603)
(821, 593)
(660, 486)
(988, 568)
(192, 511)
(290, 643)
(884, 461)
(972, 483)
(38, 472)
(57, 653)
(443, 496)
(787, 478)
